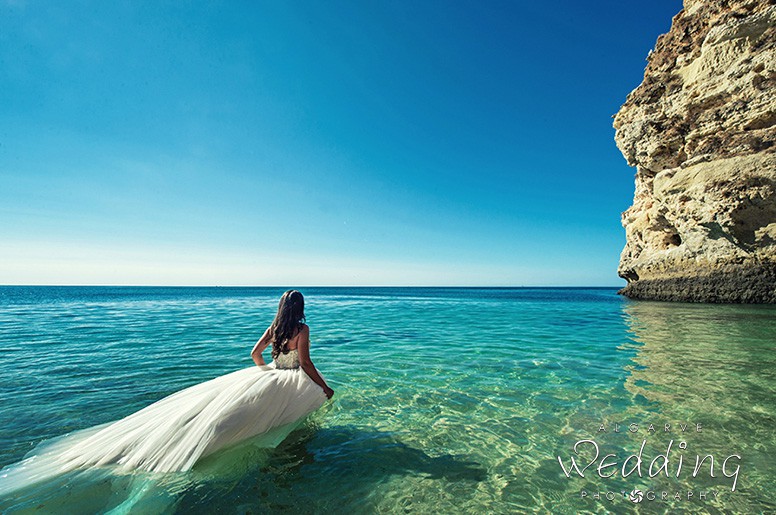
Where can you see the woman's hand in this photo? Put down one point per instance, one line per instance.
(329, 392)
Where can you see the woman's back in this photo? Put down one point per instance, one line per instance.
(288, 360)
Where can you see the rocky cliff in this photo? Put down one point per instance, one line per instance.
(700, 130)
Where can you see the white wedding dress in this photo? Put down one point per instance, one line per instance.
(175, 432)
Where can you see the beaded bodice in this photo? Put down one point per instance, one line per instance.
(288, 360)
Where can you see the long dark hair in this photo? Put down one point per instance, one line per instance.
(288, 321)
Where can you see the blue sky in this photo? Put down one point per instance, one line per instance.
(316, 143)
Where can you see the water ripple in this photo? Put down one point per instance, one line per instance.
(448, 400)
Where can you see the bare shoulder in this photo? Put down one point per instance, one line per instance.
(303, 336)
(267, 335)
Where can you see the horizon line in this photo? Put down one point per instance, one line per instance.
(286, 286)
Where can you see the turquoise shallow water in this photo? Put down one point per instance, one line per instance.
(447, 400)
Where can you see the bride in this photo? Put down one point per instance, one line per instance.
(175, 432)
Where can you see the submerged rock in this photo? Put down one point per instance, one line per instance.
(700, 130)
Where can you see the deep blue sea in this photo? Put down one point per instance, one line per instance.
(448, 400)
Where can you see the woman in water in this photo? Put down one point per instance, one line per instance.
(175, 432)
(290, 339)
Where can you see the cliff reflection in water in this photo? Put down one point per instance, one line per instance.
(714, 365)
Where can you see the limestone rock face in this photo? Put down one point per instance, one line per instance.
(700, 130)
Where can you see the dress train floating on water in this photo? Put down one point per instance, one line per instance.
(175, 432)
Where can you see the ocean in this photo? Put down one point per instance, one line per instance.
(447, 400)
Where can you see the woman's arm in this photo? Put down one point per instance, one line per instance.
(303, 347)
(260, 346)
